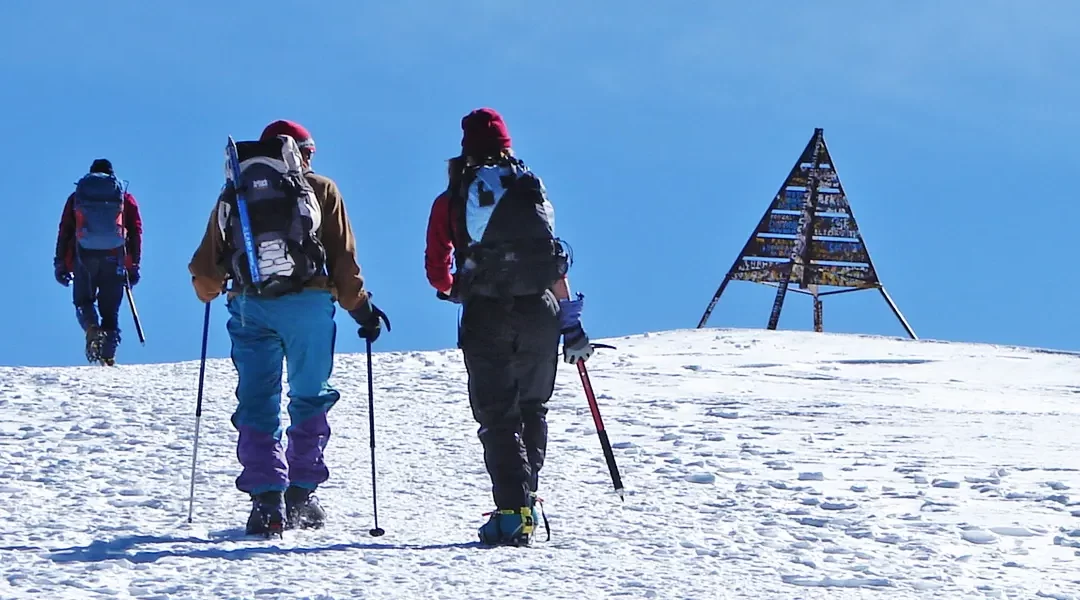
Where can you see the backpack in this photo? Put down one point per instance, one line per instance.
(99, 212)
(285, 218)
(505, 230)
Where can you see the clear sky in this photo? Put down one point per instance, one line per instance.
(661, 129)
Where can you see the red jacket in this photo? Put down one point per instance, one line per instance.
(65, 239)
(439, 252)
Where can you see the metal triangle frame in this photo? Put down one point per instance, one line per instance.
(807, 236)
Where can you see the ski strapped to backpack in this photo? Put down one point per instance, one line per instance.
(269, 206)
(504, 227)
(232, 178)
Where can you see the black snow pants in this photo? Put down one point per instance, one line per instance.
(511, 354)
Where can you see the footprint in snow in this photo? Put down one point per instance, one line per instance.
(978, 536)
(1017, 531)
(1066, 542)
(931, 506)
(811, 476)
(838, 505)
(855, 582)
(701, 478)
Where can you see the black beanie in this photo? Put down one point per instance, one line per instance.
(102, 165)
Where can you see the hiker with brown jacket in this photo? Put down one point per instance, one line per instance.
(306, 257)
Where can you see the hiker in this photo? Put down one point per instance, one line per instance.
(98, 247)
(307, 259)
(496, 226)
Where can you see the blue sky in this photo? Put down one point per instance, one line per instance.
(662, 131)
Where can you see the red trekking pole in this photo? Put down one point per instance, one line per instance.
(605, 443)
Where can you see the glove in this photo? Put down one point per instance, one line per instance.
(369, 317)
(133, 275)
(451, 297)
(61, 273)
(576, 344)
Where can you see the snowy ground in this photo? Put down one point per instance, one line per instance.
(759, 465)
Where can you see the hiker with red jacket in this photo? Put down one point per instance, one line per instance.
(99, 246)
(495, 224)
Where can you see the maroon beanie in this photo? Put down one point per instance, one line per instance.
(294, 130)
(483, 133)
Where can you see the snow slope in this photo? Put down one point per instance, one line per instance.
(759, 465)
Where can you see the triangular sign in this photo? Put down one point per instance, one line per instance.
(809, 237)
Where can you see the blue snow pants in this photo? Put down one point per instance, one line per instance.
(298, 329)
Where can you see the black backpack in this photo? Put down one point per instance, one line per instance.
(285, 218)
(504, 225)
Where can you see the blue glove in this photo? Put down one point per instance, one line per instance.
(576, 345)
(133, 275)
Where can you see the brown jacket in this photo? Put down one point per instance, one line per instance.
(345, 282)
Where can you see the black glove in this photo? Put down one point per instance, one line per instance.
(61, 273)
(369, 317)
(451, 297)
(133, 275)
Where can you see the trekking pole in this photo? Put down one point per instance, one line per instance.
(198, 409)
(376, 531)
(134, 313)
(605, 443)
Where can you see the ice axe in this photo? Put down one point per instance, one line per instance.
(601, 432)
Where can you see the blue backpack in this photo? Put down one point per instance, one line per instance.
(99, 212)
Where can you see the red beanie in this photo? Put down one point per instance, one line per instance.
(483, 133)
(294, 130)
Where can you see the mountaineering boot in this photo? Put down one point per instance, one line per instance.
(267, 514)
(302, 509)
(509, 527)
(93, 344)
(110, 340)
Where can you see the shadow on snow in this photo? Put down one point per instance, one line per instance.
(123, 548)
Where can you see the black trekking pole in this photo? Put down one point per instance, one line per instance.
(198, 409)
(605, 443)
(134, 313)
(376, 531)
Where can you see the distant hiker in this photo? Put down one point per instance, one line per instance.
(99, 247)
(496, 226)
(307, 259)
